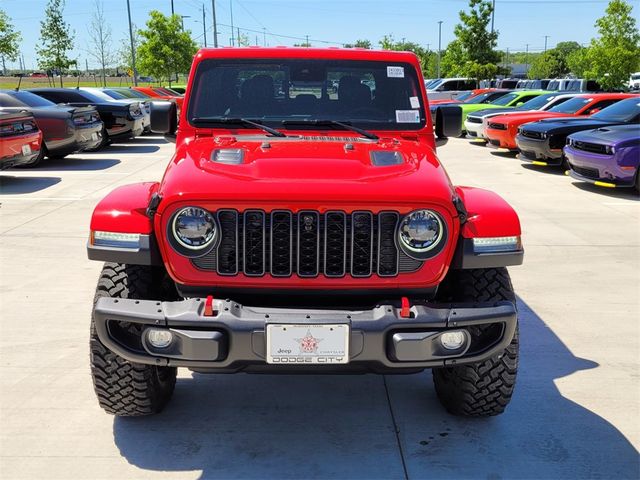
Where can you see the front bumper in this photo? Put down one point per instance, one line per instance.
(538, 152)
(473, 129)
(601, 170)
(500, 138)
(232, 338)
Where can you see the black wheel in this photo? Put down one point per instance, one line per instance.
(36, 161)
(481, 389)
(125, 388)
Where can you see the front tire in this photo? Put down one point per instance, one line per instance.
(480, 389)
(125, 388)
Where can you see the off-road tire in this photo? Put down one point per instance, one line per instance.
(125, 388)
(480, 389)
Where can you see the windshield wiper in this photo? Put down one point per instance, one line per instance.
(345, 125)
(245, 121)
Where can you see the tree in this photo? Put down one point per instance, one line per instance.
(125, 60)
(555, 62)
(100, 40)
(389, 43)
(9, 40)
(615, 54)
(165, 49)
(56, 40)
(473, 52)
(359, 44)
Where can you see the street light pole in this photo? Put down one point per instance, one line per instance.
(493, 12)
(546, 37)
(231, 13)
(172, 11)
(204, 27)
(439, 47)
(526, 59)
(264, 36)
(133, 50)
(215, 24)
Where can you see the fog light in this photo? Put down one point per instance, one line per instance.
(159, 338)
(453, 340)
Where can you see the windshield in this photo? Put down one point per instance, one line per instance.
(131, 93)
(635, 76)
(115, 95)
(571, 106)
(482, 98)
(538, 102)
(96, 95)
(622, 111)
(31, 99)
(433, 84)
(505, 99)
(465, 96)
(366, 94)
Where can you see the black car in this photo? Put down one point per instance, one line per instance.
(65, 129)
(542, 142)
(122, 120)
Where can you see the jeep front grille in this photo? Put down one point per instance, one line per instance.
(308, 244)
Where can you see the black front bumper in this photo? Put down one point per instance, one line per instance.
(538, 151)
(233, 338)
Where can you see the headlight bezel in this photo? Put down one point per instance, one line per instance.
(182, 247)
(432, 250)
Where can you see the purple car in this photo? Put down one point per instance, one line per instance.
(607, 157)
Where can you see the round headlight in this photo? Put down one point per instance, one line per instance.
(193, 228)
(421, 232)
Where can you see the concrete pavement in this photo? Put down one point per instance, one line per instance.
(575, 413)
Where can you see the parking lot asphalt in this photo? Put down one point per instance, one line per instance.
(575, 413)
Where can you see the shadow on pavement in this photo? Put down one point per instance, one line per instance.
(260, 426)
(86, 163)
(621, 193)
(10, 185)
(496, 153)
(132, 148)
(150, 139)
(553, 170)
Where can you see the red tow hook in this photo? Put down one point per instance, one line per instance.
(405, 311)
(208, 307)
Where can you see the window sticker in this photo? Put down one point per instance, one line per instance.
(395, 72)
(415, 102)
(407, 116)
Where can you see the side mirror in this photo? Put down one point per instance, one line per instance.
(164, 118)
(595, 110)
(448, 121)
(519, 104)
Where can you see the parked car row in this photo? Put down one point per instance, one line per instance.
(595, 137)
(71, 120)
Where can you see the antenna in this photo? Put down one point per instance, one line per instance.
(19, 82)
(78, 82)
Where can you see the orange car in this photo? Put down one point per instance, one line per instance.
(161, 94)
(20, 139)
(502, 129)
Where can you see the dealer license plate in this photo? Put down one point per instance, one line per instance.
(94, 136)
(26, 149)
(307, 344)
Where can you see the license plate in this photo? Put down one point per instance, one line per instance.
(94, 136)
(307, 344)
(26, 149)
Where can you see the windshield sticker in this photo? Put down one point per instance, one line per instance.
(415, 103)
(395, 72)
(407, 116)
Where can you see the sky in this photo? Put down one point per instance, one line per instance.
(326, 22)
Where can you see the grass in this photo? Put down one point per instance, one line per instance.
(35, 82)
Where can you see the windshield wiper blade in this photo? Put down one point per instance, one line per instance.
(245, 121)
(345, 125)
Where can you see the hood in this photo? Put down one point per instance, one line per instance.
(524, 117)
(332, 169)
(492, 111)
(609, 135)
(571, 124)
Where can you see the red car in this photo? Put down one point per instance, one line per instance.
(502, 130)
(302, 229)
(20, 139)
(464, 97)
(161, 94)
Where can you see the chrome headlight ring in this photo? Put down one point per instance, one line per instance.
(193, 231)
(422, 234)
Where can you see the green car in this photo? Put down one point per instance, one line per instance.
(512, 99)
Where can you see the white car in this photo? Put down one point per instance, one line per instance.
(476, 123)
(449, 88)
(634, 81)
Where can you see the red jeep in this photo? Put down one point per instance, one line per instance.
(304, 224)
